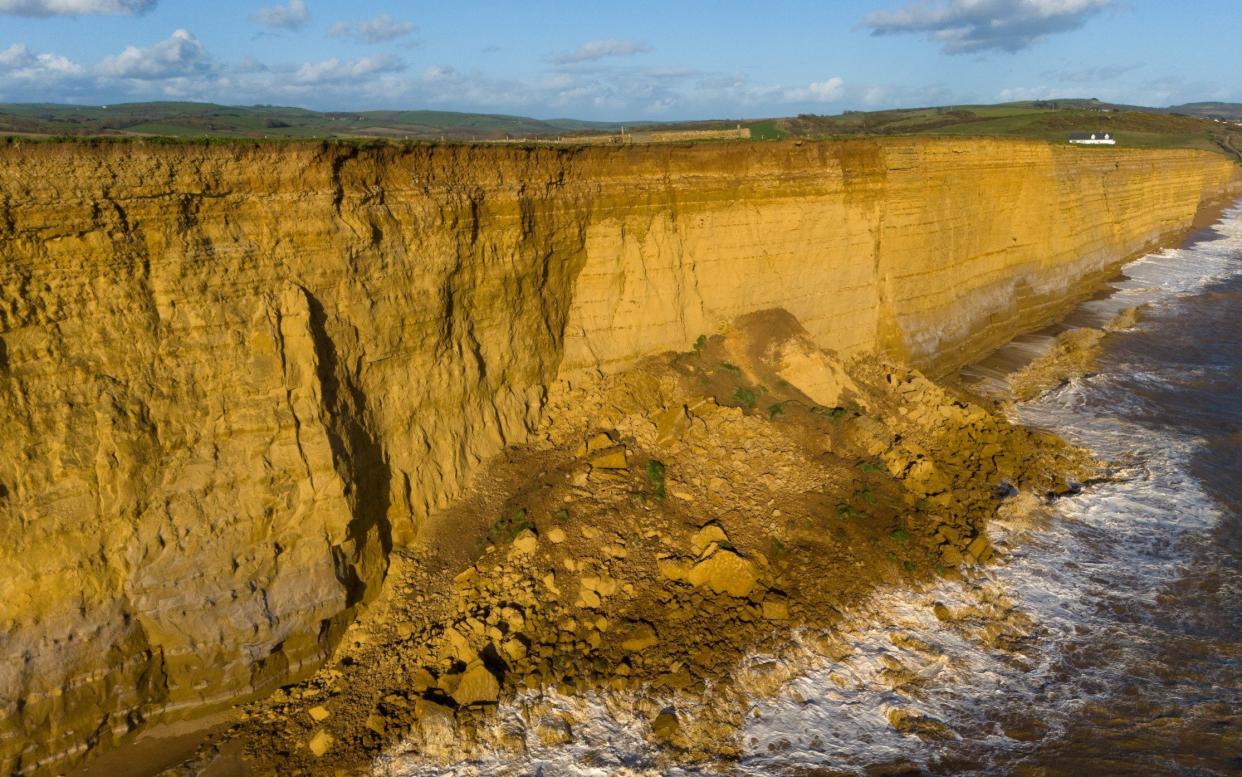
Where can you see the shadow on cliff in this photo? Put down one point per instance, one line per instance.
(361, 462)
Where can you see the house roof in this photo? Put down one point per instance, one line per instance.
(1087, 135)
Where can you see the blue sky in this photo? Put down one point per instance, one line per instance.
(673, 59)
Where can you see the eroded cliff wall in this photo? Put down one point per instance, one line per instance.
(231, 377)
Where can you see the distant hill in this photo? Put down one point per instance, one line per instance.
(1194, 125)
(1226, 111)
(198, 119)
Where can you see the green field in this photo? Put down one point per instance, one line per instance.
(1133, 128)
(1205, 126)
(262, 121)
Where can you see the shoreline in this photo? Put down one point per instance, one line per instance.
(699, 582)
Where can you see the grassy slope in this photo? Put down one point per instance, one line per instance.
(198, 119)
(1142, 128)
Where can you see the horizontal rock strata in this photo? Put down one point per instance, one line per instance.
(233, 376)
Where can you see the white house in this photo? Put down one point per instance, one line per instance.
(1093, 138)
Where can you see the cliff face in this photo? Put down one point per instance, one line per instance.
(232, 377)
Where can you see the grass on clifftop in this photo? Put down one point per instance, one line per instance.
(200, 123)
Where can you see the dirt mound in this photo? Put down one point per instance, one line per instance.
(671, 520)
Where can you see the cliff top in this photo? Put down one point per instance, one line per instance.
(1135, 126)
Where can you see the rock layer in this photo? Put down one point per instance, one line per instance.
(233, 376)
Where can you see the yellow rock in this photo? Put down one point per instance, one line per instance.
(672, 425)
(598, 443)
(979, 549)
(673, 569)
(639, 637)
(556, 535)
(816, 373)
(320, 743)
(704, 537)
(515, 648)
(376, 723)
(775, 609)
(455, 646)
(476, 685)
(610, 460)
(318, 714)
(724, 572)
(525, 543)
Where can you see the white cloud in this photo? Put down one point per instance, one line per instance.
(75, 7)
(291, 16)
(337, 71)
(596, 50)
(381, 29)
(962, 26)
(181, 54)
(817, 91)
(19, 63)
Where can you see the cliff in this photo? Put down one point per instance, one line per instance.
(234, 376)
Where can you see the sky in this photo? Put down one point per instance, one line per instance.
(638, 59)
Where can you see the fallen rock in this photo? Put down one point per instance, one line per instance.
(672, 425)
(673, 569)
(553, 731)
(776, 608)
(435, 726)
(320, 743)
(318, 714)
(666, 725)
(921, 726)
(525, 543)
(724, 572)
(610, 460)
(638, 637)
(556, 535)
(476, 685)
(704, 537)
(599, 442)
(980, 549)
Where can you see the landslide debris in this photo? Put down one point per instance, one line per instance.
(668, 521)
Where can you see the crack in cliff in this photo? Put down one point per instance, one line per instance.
(338, 163)
(359, 457)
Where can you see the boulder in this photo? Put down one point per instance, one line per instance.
(776, 608)
(320, 743)
(598, 442)
(638, 637)
(725, 572)
(476, 685)
(704, 537)
(672, 425)
(613, 459)
(666, 725)
(979, 549)
(525, 543)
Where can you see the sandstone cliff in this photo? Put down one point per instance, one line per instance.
(233, 376)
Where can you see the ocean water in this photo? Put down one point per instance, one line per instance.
(1109, 641)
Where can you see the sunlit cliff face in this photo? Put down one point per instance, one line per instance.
(236, 376)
